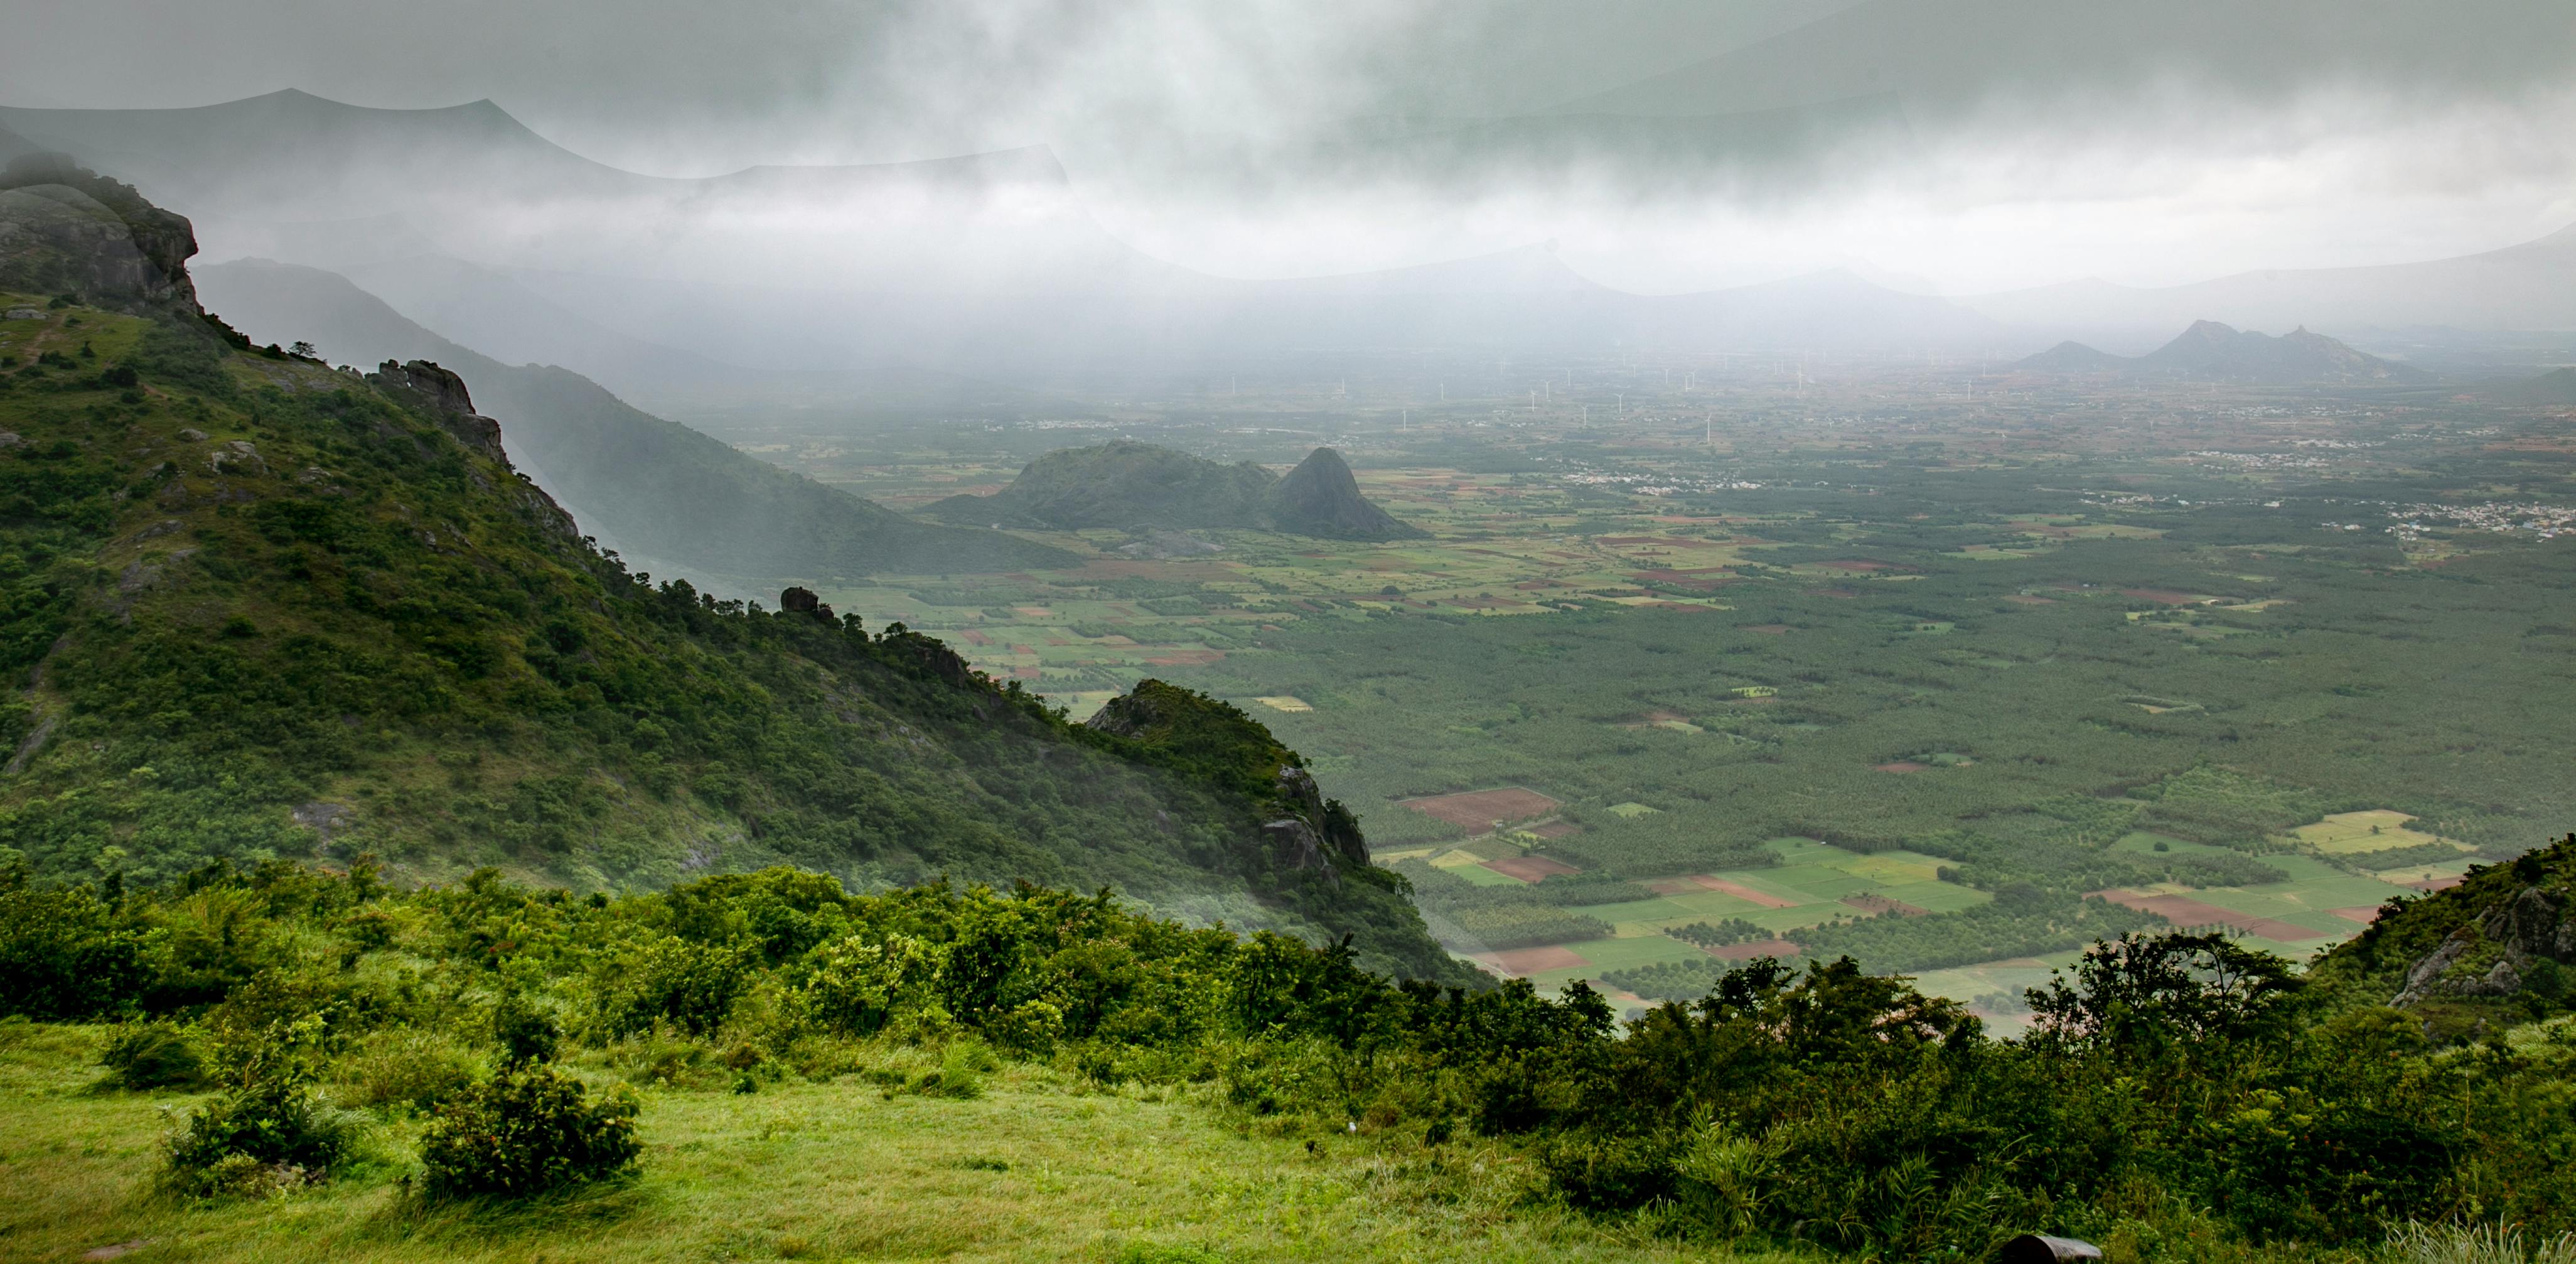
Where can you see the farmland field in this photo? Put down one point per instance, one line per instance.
(1863, 653)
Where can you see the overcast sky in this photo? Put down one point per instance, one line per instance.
(1958, 144)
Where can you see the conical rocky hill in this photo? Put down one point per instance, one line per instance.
(1320, 498)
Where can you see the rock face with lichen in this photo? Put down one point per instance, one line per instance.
(2499, 954)
(67, 230)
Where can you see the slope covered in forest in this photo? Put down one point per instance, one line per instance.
(258, 607)
(652, 488)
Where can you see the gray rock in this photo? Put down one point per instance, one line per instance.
(2533, 926)
(237, 455)
(325, 818)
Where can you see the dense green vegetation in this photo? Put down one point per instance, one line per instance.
(263, 609)
(2180, 1098)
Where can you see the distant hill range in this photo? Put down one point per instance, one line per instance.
(2209, 351)
(2558, 386)
(670, 499)
(1130, 484)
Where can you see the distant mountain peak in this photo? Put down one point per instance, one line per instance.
(2210, 350)
(1124, 483)
(1322, 498)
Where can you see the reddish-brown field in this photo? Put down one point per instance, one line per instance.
(1557, 829)
(1484, 809)
(1530, 868)
(2183, 910)
(2362, 913)
(1736, 889)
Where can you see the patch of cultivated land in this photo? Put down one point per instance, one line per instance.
(1935, 620)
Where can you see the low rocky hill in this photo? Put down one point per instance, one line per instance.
(1140, 485)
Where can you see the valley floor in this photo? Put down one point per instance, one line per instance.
(1036, 1169)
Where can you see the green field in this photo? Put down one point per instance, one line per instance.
(1914, 634)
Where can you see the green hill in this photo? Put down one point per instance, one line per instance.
(258, 607)
(2558, 386)
(664, 495)
(1131, 484)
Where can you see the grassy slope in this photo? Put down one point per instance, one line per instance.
(379, 618)
(823, 1171)
(656, 488)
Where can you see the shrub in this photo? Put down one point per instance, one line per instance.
(857, 987)
(64, 953)
(527, 1132)
(662, 1055)
(960, 1074)
(276, 1132)
(151, 1055)
(524, 1029)
(412, 1069)
(691, 984)
(270, 1118)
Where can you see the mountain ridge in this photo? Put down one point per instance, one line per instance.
(2210, 351)
(652, 488)
(352, 627)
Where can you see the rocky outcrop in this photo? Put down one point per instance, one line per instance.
(1299, 828)
(444, 395)
(2494, 955)
(928, 655)
(1321, 498)
(803, 601)
(66, 230)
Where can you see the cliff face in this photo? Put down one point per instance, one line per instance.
(66, 230)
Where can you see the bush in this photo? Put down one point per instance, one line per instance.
(151, 1055)
(411, 1069)
(524, 1029)
(270, 1133)
(525, 1133)
(857, 987)
(64, 953)
(691, 984)
(270, 1119)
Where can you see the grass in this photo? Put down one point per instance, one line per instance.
(2361, 833)
(1037, 1168)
